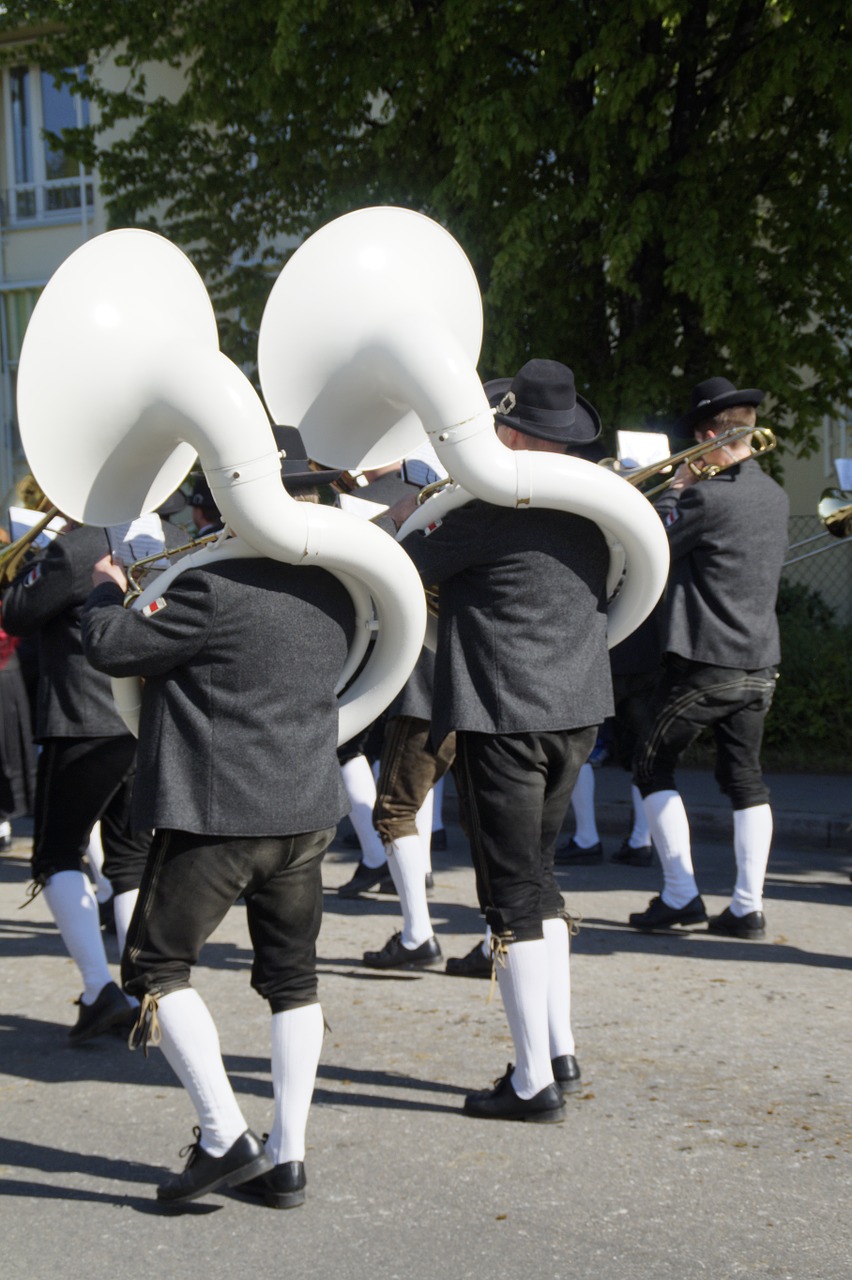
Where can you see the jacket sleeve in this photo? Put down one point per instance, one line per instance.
(459, 541)
(684, 516)
(40, 592)
(151, 642)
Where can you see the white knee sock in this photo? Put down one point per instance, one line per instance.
(72, 903)
(669, 828)
(424, 830)
(640, 836)
(557, 938)
(438, 804)
(190, 1043)
(361, 789)
(583, 804)
(123, 906)
(95, 859)
(752, 839)
(523, 987)
(405, 860)
(296, 1044)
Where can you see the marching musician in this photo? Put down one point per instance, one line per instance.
(728, 538)
(84, 771)
(522, 677)
(238, 777)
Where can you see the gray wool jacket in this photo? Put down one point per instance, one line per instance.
(238, 730)
(46, 600)
(728, 539)
(522, 620)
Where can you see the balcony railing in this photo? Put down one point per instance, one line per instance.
(60, 200)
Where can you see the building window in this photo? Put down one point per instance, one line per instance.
(48, 184)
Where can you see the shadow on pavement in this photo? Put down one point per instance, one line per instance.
(602, 936)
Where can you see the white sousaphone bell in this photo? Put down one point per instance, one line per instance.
(371, 336)
(121, 384)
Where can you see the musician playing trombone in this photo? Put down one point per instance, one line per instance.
(728, 536)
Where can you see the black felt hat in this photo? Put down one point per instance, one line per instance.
(174, 503)
(541, 400)
(202, 495)
(712, 396)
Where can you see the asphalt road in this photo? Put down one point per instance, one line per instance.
(712, 1137)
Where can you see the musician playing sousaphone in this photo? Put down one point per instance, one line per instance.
(728, 538)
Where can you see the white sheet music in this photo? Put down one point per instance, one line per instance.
(641, 448)
(137, 539)
(843, 467)
(362, 507)
(22, 519)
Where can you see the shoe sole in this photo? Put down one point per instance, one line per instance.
(261, 1164)
(570, 1086)
(409, 964)
(752, 935)
(667, 928)
(555, 1115)
(275, 1199)
(468, 973)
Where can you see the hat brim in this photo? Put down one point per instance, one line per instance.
(173, 504)
(300, 481)
(585, 428)
(687, 424)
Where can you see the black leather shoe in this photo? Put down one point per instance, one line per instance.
(368, 880)
(204, 1173)
(752, 925)
(661, 916)
(394, 955)
(111, 1009)
(502, 1103)
(572, 855)
(630, 857)
(283, 1187)
(473, 965)
(566, 1073)
(439, 840)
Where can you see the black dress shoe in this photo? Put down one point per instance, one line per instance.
(204, 1173)
(473, 965)
(283, 1187)
(566, 1073)
(502, 1103)
(661, 916)
(368, 880)
(394, 955)
(111, 1009)
(439, 840)
(751, 926)
(630, 857)
(572, 855)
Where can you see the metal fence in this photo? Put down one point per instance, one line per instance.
(822, 563)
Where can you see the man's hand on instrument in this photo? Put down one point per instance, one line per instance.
(108, 570)
(683, 478)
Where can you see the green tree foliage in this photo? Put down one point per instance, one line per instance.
(650, 190)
